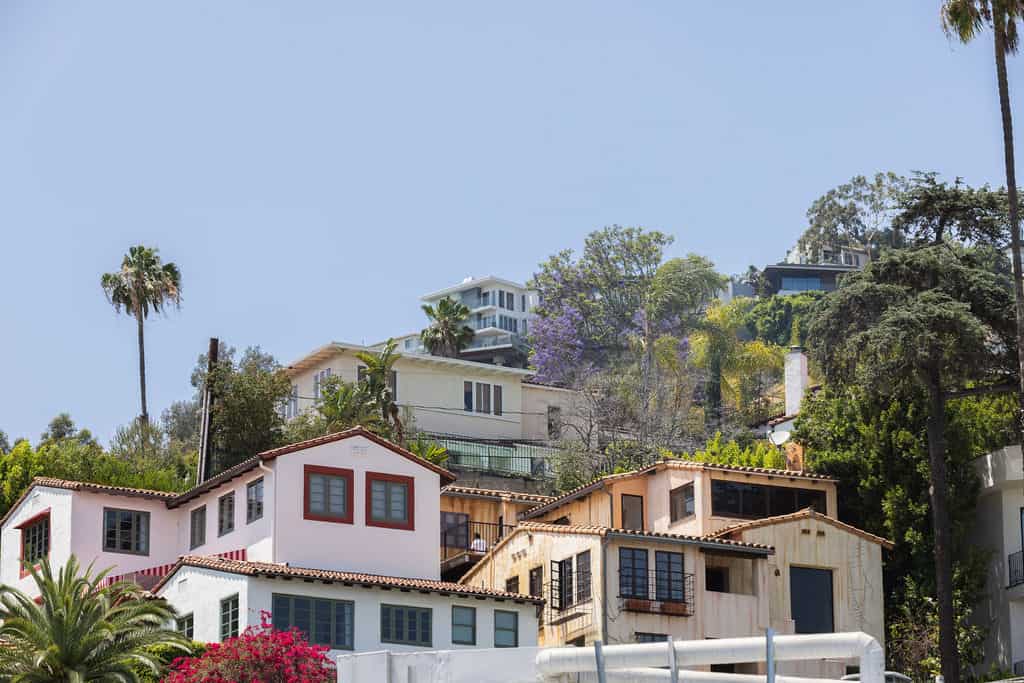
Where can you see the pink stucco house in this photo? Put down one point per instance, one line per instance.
(337, 536)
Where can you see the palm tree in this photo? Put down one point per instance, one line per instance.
(379, 381)
(81, 630)
(965, 19)
(447, 333)
(143, 283)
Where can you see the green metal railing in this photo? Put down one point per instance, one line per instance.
(497, 456)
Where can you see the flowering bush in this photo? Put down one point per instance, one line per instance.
(258, 655)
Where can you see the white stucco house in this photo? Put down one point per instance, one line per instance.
(337, 536)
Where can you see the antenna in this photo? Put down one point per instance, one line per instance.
(779, 438)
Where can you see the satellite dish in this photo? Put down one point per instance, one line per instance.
(779, 438)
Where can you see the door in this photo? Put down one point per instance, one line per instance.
(810, 598)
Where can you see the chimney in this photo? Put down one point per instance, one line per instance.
(796, 379)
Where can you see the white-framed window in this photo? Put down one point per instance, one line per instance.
(482, 397)
(291, 407)
(318, 381)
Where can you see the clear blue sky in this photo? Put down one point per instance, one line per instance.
(313, 167)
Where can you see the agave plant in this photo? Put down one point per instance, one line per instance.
(80, 630)
(429, 450)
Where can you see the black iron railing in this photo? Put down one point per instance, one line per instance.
(466, 536)
(1016, 562)
(569, 598)
(661, 592)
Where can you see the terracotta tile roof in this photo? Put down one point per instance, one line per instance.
(807, 513)
(519, 496)
(674, 463)
(90, 487)
(274, 570)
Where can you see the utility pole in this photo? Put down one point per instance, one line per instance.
(204, 463)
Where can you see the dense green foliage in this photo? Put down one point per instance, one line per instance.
(781, 320)
(82, 630)
(447, 334)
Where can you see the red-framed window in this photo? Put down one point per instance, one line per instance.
(390, 501)
(35, 541)
(328, 494)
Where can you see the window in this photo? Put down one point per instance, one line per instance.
(632, 512)
(467, 396)
(716, 579)
(668, 576)
(324, 622)
(319, 380)
(522, 303)
(463, 625)
(554, 422)
(680, 501)
(756, 501)
(810, 592)
(483, 397)
(254, 501)
(506, 628)
(229, 617)
(185, 625)
(406, 625)
(537, 582)
(454, 530)
(801, 284)
(583, 576)
(633, 573)
(292, 406)
(501, 298)
(651, 637)
(561, 584)
(497, 399)
(226, 514)
(393, 384)
(328, 493)
(512, 585)
(390, 501)
(197, 528)
(125, 531)
(35, 540)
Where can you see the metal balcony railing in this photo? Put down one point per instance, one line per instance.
(657, 592)
(1016, 566)
(498, 456)
(469, 537)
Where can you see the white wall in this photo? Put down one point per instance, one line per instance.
(253, 537)
(59, 503)
(357, 547)
(197, 591)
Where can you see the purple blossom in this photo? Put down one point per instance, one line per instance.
(557, 347)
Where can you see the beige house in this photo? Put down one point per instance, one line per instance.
(693, 550)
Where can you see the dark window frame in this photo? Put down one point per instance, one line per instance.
(254, 502)
(633, 578)
(464, 609)
(514, 630)
(230, 621)
(669, 581)
(584, 577)
(467, 396)
(403, 638)
(29, 538)
(512, 584)
(537, 581)
(284, 622)
(344, 473)
(496, 401)
(409, 524)
(225, 519)
(686, 493)
(776, 500)
(196, 540)
(144, 519)
(186, 625)
(622, 510)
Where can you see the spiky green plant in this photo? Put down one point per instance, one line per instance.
(81, 630)
(447, 333)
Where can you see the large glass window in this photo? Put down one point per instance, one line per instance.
(390, 500)
(632, 512)
(583, 576)
(681, 502)
(506, 628)
(755, 501)
(35, 540)
(463, 625)
(254, 500)
(668, 576)
(226, 514)
(197, 527)
(229, 617)
(324, 622)
(125, 531)
(633, 573)
(406, 625)
(328, 494)
(810, 593)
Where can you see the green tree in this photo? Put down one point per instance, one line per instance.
(428, 449)
(447, 334)
(965, 20)
(772, 319)
(81, 630)
(63, 427)
(144, 282)
(926, 318)
(858, 213)
(5, 444)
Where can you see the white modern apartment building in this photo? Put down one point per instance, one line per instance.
(999, 528)
(500, 313)
(337, 536)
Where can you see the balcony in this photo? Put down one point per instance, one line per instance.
(497, 456)
(656, 592)
(1016, 569)
(464, 543)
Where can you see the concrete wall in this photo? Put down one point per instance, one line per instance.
(357, 547)
(505, 665)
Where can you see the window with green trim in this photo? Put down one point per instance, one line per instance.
(324, 622)
(406, 625)
(229, 617)
(463, 625)
(506, 628)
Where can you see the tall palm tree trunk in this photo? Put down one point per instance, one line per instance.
(142, 369)
(948, 652)
(999, 25)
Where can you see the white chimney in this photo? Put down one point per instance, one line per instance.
(796, 379)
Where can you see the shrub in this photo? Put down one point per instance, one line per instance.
(258, 655)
